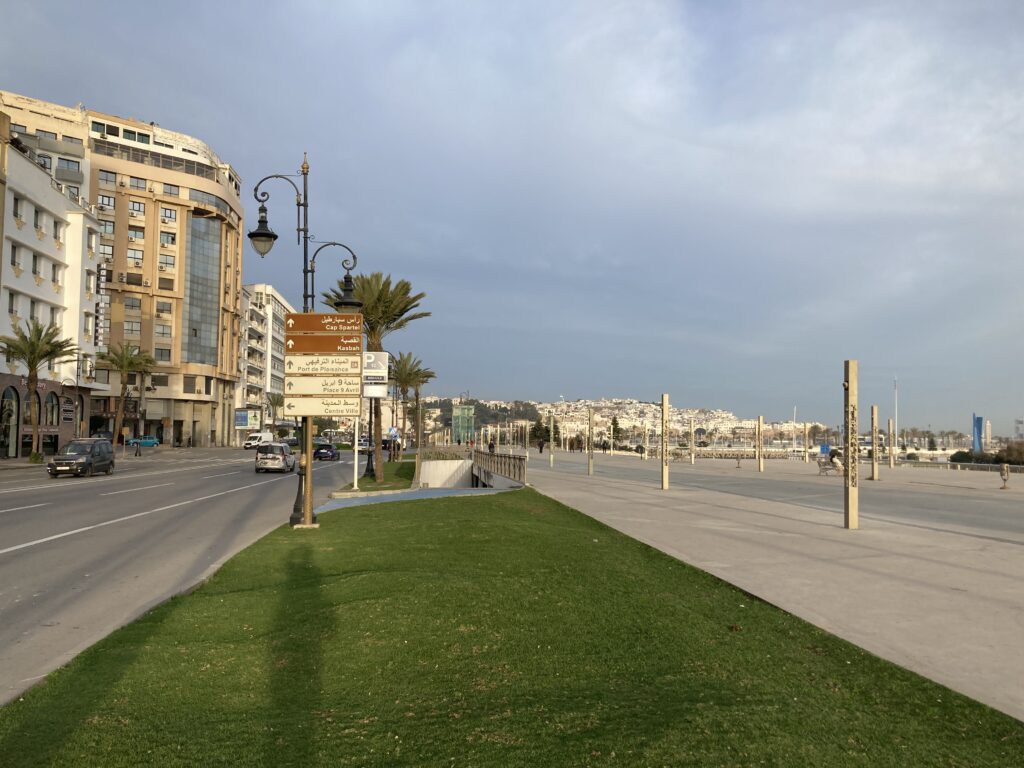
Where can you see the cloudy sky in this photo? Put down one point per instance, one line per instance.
(718, 200)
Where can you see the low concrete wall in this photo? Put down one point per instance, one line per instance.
(490, 479)
(456, 473)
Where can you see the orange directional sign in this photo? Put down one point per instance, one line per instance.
(295, 322)
(323, 343)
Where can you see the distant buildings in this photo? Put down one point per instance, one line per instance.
(123, 232)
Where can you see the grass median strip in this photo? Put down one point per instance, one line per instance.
(505, 630)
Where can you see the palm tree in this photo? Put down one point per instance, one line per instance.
(410, 374)
(275, 400)
(386, 308)
(125, 359)
(40, 345)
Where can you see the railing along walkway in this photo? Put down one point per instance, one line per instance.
(505, 464)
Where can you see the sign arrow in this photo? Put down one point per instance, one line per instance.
(289, 365)
(291, 322)
(290, 344)
(288, 407)
(289, 385)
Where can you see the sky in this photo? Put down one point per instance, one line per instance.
(721, 201)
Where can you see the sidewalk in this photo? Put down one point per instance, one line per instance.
(943, 599)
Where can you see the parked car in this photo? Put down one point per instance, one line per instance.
(274, 457)
(326, 451)
(83, 456)
(365, 446)
(292, 442)
(146, 441)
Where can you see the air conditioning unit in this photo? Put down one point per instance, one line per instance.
(134, 214)
(108, 259)
(163, 220)
(146, 283)
(152, 191)
(120, 277)
(103, 135)
(131, 239)
(101, 207)
(160, 315)
(162, 268)
(121, 183)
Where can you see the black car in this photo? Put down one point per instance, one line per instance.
(83, 456)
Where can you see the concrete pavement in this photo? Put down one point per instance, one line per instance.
(941, 594)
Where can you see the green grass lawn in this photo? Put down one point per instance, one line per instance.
(504, 630)
(397, 477)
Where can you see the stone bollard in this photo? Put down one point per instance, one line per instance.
(1004, 473)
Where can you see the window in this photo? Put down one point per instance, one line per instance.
(16, 128)
(134, 257)
(16, 208)
(166, 283)
(54, 316)
(166, 261)
(106, 227)
(113, 130)
(163, 331)
(72, 139)
(133, 303)
(168, 238)
(163, 306)
(132, 328)
(172, 189)
(69, 165)
(159, 379)
(189, 384)
(37, 264)
(90, 282)
(129, 134)
(12, 303)
(136, 183)
(107, 201)
(137, 232)
(133, 278)
(162, 355)
(143, 138)
(32, 306)
(169, 213)
(99, 127)
(37, 219)
(58, 229)
(46, 134)
(88, 325)
(106, 250)
(14, 256)
(45, 160)
(55, 272)
(133, 377)
(107, 177)
(72, 191)
(137, 206)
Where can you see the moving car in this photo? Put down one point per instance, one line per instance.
(254, 439)
(274, 457)
(326, 451)
(83, 456)
(146, 441)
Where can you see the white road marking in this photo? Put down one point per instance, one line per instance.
(132, 490)
(30, 506)
(207, 477)
(86, 528)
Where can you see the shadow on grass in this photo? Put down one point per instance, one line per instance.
(37, 728)
(302, 619)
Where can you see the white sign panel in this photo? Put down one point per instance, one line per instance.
(375, 390)
(375, 369)
(334, 386)
(321, 406)
(322, 365)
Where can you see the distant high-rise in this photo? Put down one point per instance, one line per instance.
(167, 261)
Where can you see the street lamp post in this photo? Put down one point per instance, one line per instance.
(262, 239)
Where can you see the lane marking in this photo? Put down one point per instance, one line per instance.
(105, 523)
(207, 477)
(132, 490)
(84, 480)
(30, 506)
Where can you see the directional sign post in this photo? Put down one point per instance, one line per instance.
(323, 364)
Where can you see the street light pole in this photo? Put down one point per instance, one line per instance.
(262, 239)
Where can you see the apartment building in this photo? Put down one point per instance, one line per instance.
(261, 362)
(49, 272)
(169, 256)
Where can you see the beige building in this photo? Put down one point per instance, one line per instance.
(169, 257)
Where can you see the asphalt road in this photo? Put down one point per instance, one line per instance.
(80, 557)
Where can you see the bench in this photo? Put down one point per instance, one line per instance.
(825, 466)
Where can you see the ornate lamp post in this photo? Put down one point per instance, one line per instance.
(262, 239)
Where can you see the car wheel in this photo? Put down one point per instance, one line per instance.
(110, 467)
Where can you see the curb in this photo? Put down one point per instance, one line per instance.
(365, 494)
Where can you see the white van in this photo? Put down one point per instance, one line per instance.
(257, 438)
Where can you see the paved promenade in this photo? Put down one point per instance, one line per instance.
(933, 580)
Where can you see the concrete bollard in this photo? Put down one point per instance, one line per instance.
(1004, 473)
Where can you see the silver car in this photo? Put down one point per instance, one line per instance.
(274, 457)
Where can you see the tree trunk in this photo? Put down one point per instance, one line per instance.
(119, 413)
(33, 410)
(378, 451)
